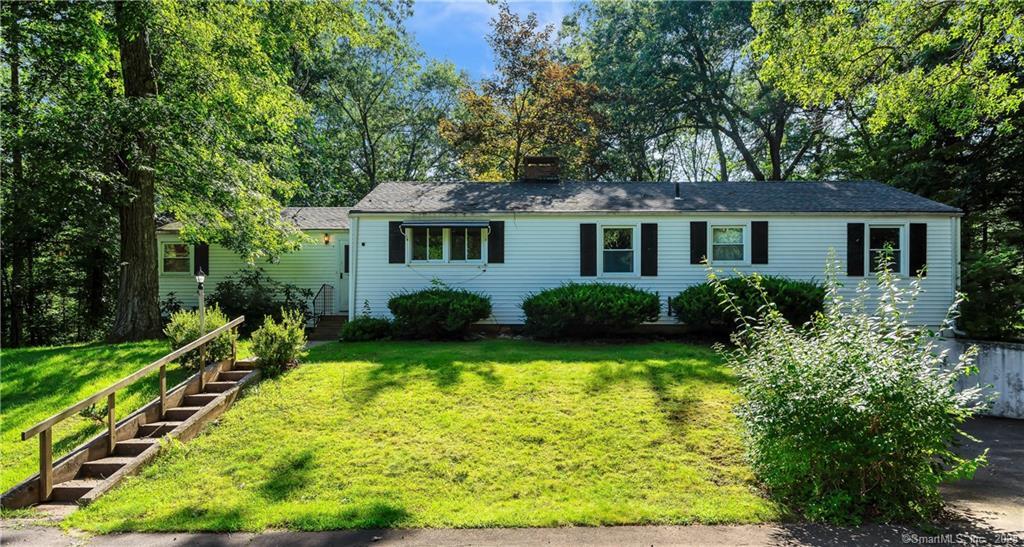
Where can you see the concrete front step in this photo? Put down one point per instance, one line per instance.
(133, 447)
(73, 489)
(157, 429)
(103, 467)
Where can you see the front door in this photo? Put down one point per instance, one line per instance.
(342, 293)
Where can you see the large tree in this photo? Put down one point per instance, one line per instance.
(668, 69)
(534, 104)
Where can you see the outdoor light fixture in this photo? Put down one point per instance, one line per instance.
(327, 238)
(200, 277)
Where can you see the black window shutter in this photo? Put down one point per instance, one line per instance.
(855, 249)
(396, 243)
(649, 249)
(759, 242)
(346, 258)
(496, 242)
(202, 259)
(918, 248)
(698, 242)
(588, 250)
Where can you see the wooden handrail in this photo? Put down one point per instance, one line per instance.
(130, 379)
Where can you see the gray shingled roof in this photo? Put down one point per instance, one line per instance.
(577, 197)
(304, 218)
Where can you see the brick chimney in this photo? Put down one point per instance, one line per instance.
(540, 169)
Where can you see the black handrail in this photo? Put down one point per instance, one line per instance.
(321, 302)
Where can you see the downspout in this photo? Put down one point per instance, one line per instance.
(353, 267)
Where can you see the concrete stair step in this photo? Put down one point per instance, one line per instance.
(180, 413)
(133, 447)
(73, 489)
(199, 399)
(232, 375)
(219, 387)
(103, 467)
(157, 429)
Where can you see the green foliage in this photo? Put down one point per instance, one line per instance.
(279, 345)
(366, 328)
(701, 309)
(994, 286)
(941, 64)
(184, 328)
(492, 433)
(582, 310)
(856, 417)
(438, 312)
(250, 292)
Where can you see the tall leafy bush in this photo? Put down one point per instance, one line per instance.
(700, 308)
(856, 416)
(278, 345)
(183, 328)
(578, 310)
(252, 293)
(438, 312)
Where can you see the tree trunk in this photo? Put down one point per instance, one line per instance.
(138, 311)
(723, 167)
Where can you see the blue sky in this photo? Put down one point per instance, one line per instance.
(455, 30)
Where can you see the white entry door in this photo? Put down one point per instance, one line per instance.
(341, 294)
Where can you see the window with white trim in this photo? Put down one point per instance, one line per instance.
(618, 249)
(728, 243)
(446, 245)
(882, 239)
(176, 258)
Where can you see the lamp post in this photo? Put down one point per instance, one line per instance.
(200, 280)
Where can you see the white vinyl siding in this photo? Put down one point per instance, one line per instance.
(543, 251)
(313, 265)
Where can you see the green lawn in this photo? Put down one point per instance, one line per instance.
(493, 433)
(36, 383)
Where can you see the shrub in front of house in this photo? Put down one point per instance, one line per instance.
(252, 293)
(437, 313)
(362, 329)
(583, 310)
(701, 310)
(278, 345)
(855, 417)
(183, 328)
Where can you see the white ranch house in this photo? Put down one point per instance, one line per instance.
(508, 240)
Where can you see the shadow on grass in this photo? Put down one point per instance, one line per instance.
(290, 474)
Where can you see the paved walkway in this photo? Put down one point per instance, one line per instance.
(988, 510)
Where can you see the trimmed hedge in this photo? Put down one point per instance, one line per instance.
(365, 328)
(279, 345)
(438, 312)
(701, 310)
(580, 310)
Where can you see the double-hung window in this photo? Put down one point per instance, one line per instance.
(435, 244)
(428, 244)
(175, 258)
(618, 249)
(727, 243)
(466, 244)
(882, 240)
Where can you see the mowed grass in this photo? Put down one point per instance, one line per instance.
(36, 383)
(492, 433)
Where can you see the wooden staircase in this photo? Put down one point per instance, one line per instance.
(96, 466)
(128, 452)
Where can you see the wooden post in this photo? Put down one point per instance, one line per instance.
(234, 347)
(112, 442)
(202, 367)
(163, 390)
(45, 464)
